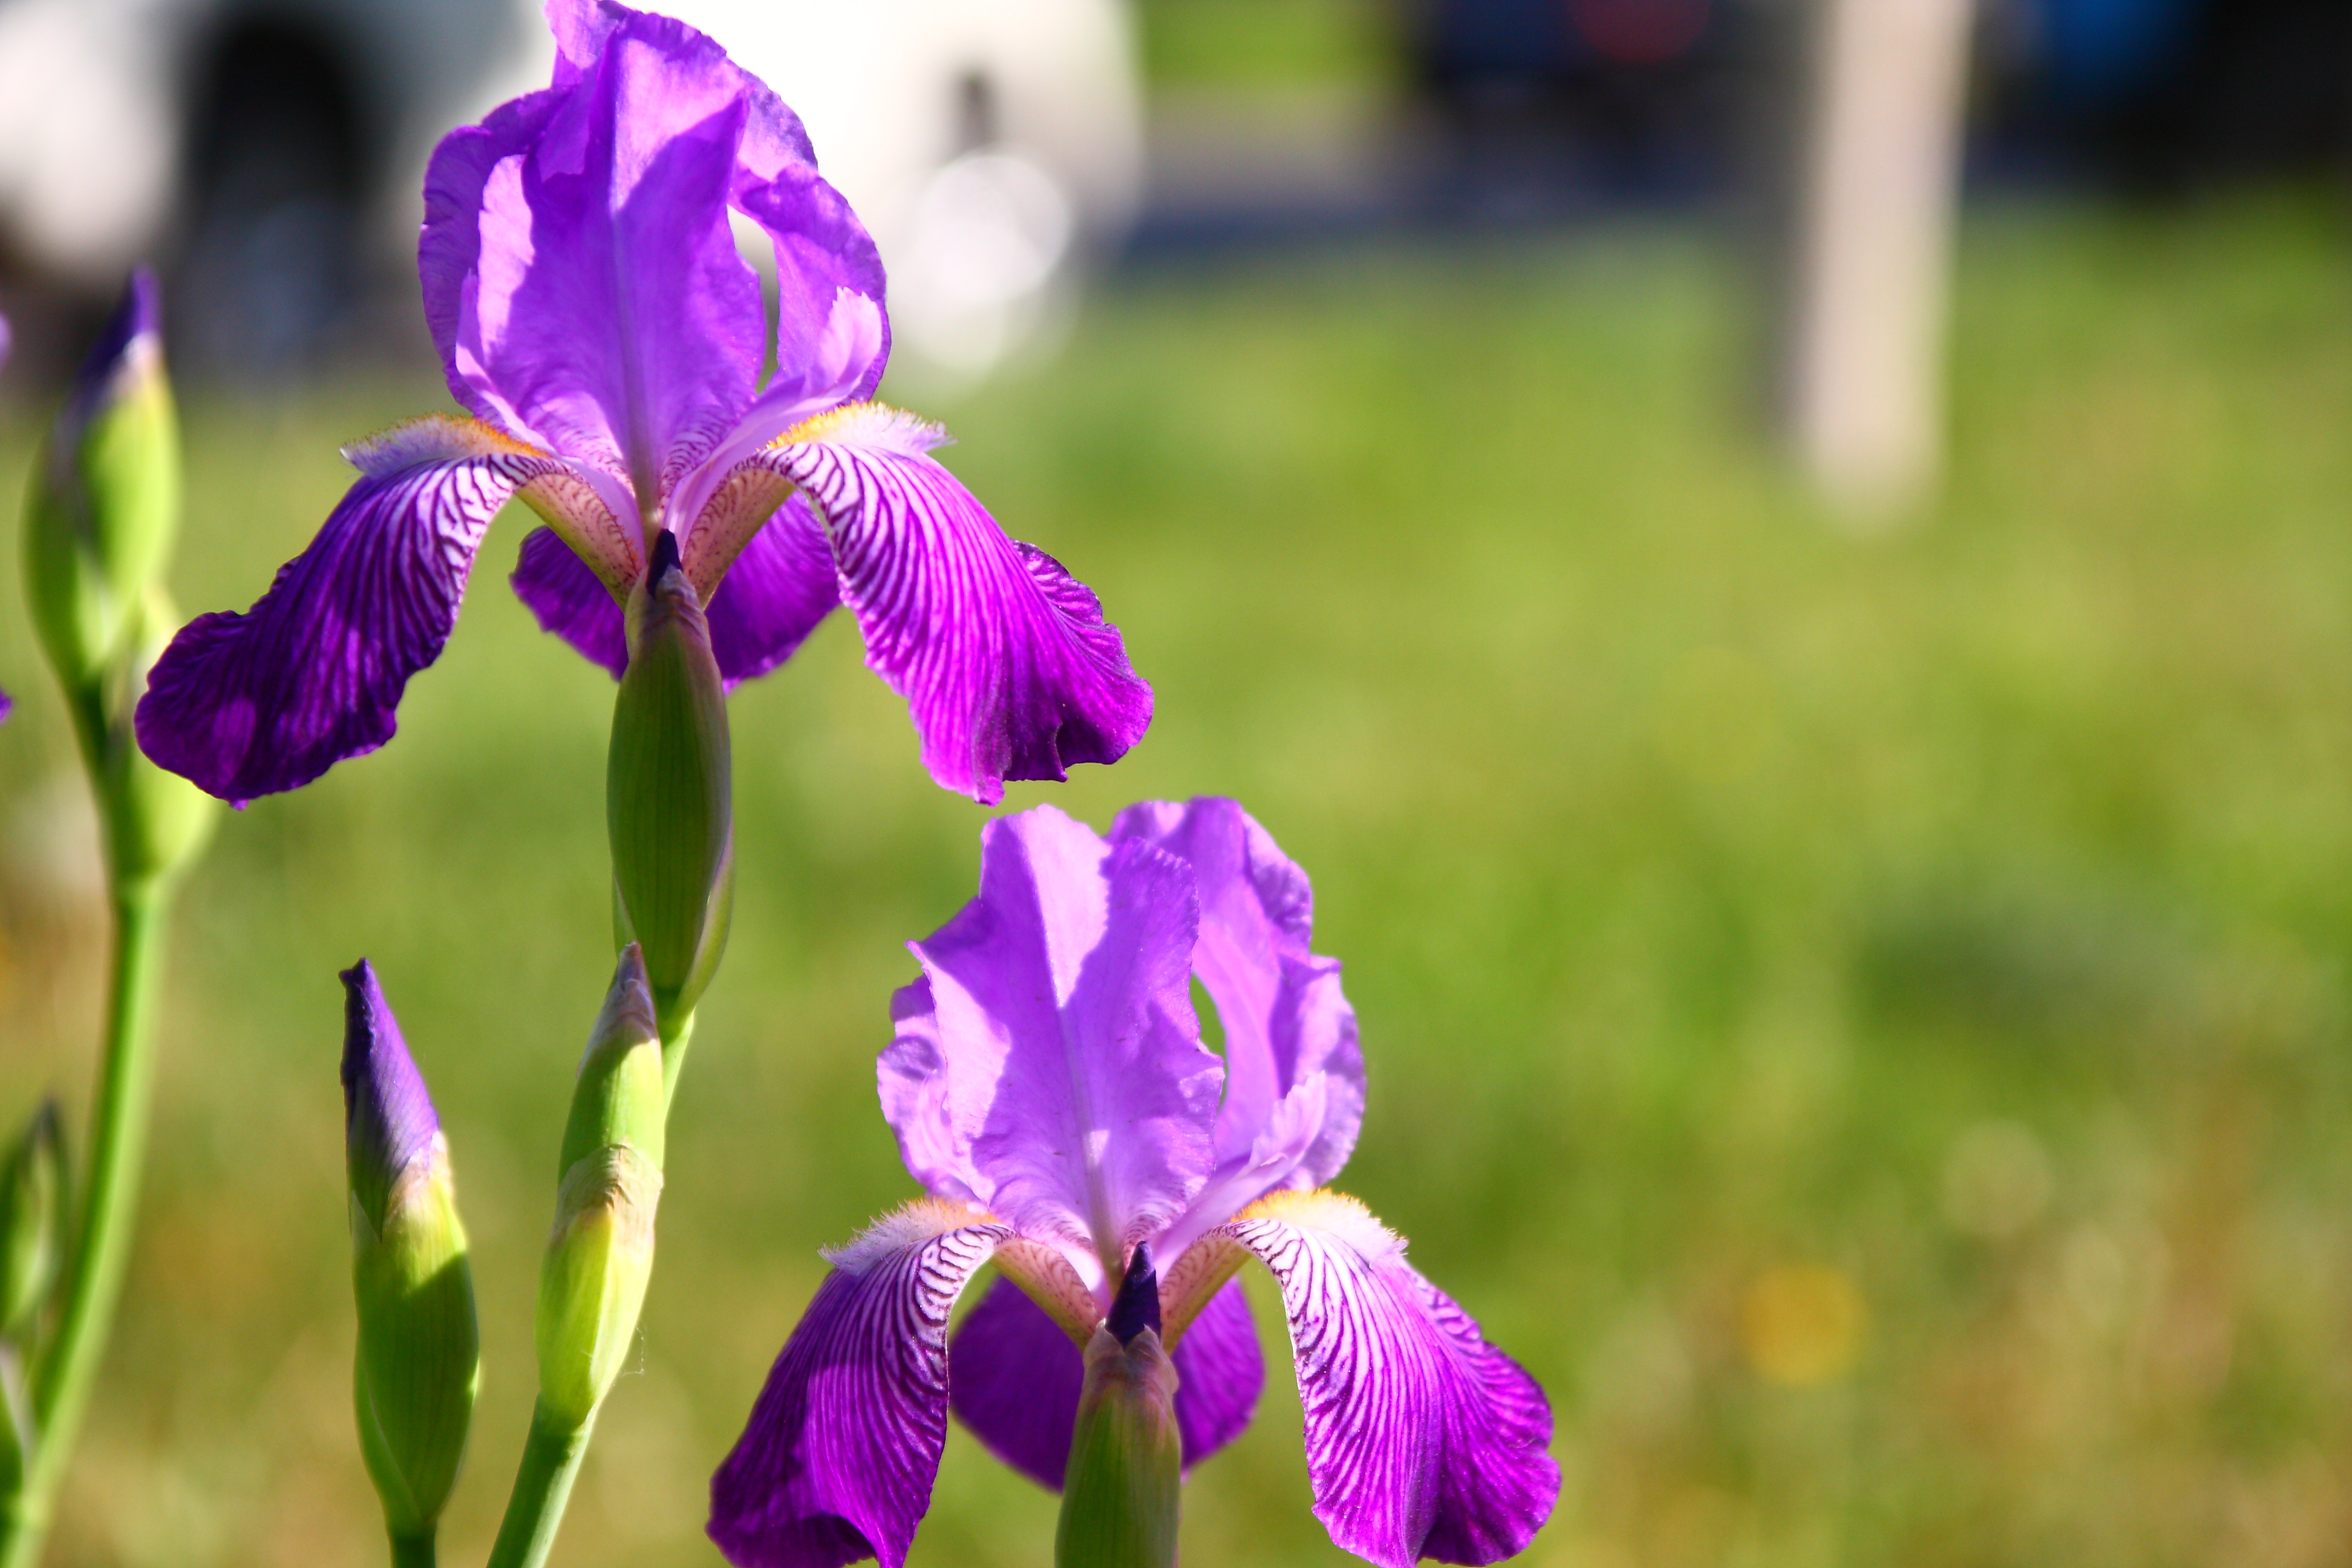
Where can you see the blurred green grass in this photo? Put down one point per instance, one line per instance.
(1863, 1018)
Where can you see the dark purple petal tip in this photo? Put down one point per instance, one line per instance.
(135, 329)
(1137, 1306)
(389, 1121)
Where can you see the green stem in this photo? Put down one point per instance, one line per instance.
(413, 1551)
(61, 1385)
(551, 1461)
(675, 1038)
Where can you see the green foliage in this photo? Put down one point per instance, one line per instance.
(1734, 906)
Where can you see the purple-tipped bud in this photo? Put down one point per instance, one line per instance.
(105, 500)
(1137, 1306)
(419, 1348)
(389, 1122)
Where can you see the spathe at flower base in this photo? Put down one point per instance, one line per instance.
(1050, 1089)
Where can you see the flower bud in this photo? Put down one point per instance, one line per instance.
(419, 1357)
(1119, 1495)
(669, 791)
(105, 494)
(600, 1252)
(32, 1220)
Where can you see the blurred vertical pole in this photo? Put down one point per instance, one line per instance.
(1881, 85)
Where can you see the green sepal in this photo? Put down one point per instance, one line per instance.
(419, 1360)
(1120, 1495)
(600, 1250)
(102, 512)
(669, 807)
(32, 1221)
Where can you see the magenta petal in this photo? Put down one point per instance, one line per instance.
(600, 307)
(1285, 1016)
(570, 600)
(1014, 1382)
(837, 1460)
(1049, 1065)
(774, 594)
(1007, 666)
(1221, 1375)
(250, 704)
(1422, 1441)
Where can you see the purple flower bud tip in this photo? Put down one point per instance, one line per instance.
(663, 560)
(1137, 1306)
(388, 1118)
(136, 324)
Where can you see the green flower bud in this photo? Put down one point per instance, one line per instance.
(669, 791)
(157, 823)
(600, 1252)
(1119, 1495)
(419, 1360)
(32, 1221)
(105, 498)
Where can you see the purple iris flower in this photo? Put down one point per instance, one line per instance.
(582, 285)
(1049, 1086)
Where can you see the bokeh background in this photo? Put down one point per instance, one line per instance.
(1860, 1011)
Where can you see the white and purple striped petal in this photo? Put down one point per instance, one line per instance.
(246, 705)
(1422, 1441)
(1016, 1377)
(837, 1460)
(1048, 1065)
(1008, 669)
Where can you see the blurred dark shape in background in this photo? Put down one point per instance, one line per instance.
(2159, 96)
(280, 165)
(1639, 100)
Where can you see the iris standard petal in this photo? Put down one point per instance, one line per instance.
(250, 704)
(1285, 1018)
(600, 307)
(1007, 666)
(776, 593)
(1049, 1065)
(837, 1460)
(1422, 1441)
(1016, 1377)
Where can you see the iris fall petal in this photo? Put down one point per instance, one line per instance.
(248, 704)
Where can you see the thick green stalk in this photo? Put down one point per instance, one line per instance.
(413, 1551)
(550, 1462)
(62, 1382)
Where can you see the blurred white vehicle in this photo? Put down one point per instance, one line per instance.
(272, 151)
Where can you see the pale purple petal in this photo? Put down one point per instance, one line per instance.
(1007, 666)
(1422, 1441)
(250, 704)
(838, 1462)
(778, 589)
(7, 340)
(1285, 1016)
(1049, 1065)
(1014, 1379)
(582, 237)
